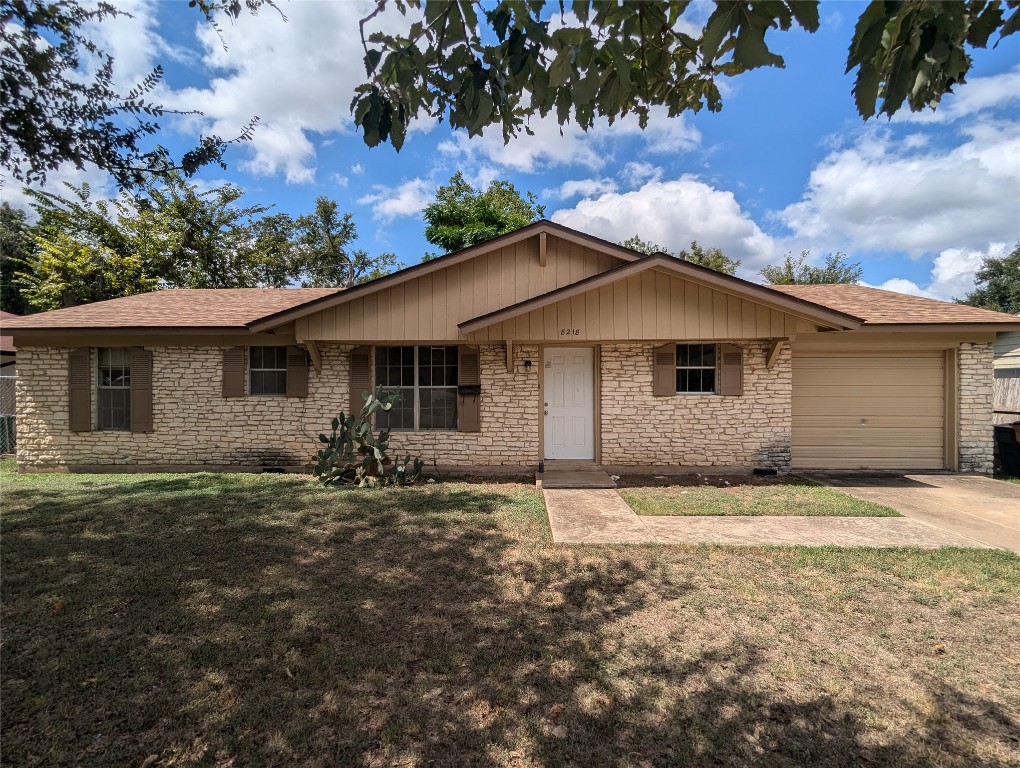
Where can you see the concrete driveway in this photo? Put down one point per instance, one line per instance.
(980, 508)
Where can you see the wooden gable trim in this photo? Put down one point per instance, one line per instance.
(700, 275)
(540, 228)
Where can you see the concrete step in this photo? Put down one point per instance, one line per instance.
(568, 478)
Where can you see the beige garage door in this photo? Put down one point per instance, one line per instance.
(867, 410)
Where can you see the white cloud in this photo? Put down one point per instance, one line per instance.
(298, 75)
(12, 190)
(673, 213)
(406, 199)
(552, 146)
(952, 275)
(580, 187)
(638, 172)
(357, 169)
(977, 95)
(886, 195)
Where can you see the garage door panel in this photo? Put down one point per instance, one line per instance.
(863, 407)
(881, 411)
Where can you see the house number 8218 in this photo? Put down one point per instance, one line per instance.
(570, 331)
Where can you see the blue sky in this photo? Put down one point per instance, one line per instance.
(786, 166)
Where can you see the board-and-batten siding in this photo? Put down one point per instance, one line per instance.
(430, 306)
(648, 305)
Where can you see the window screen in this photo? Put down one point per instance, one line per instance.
(267, 370)
(113, 389)
(426, 380)
(696, 368)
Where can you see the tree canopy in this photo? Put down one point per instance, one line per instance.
(84, 249)
(498, 64)
(324, 256)
(998, 284)
(795, 270)
(463, 215)
(15, 247)
(712, 258)
(55, 109)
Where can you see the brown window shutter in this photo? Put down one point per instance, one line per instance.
(233, 372)
(469, 383)
(664, 370)
(297, 372)
(731, 371)
(361, 376)
(79, 394)
(141, 390)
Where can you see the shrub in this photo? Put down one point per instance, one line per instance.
(353, 455)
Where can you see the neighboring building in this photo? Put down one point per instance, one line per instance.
(542, 344)
(8, 352)
(1006, 397)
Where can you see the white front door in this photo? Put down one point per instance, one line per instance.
(569, 403)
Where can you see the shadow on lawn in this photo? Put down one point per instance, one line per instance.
(271, 622)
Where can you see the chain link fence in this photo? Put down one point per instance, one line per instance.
(7, 399)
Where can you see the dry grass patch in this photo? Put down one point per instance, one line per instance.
(738, 495)
(245, 620)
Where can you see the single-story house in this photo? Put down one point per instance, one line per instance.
(8, 352)
(544, 344)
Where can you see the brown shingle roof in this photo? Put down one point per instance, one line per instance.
(178, 308)
(7, 342)
(880, 307)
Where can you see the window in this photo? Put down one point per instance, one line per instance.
(113, 390)
(696, 368)
(267, 370)
(426, 380)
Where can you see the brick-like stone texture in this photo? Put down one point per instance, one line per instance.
(976, 435)
(195, 425)
(695, 430)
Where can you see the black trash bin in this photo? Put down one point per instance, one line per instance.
(1007, 449)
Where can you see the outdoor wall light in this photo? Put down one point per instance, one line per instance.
(527, 366)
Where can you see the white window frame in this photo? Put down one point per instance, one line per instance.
(101, 388)
(417, 386)
(715, 367)
(248, 371)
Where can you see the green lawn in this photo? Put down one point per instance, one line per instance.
(777, 497)
(260, 620)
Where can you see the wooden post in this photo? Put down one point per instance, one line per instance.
(313, 352)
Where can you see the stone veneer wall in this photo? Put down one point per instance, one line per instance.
(195, 425)
(695, 430)
(976, 436)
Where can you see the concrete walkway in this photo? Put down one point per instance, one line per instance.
(971, 505)
(583, 516)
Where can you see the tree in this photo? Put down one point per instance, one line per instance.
(53, 111)
(998, 284)
(324, 256)
(796, 270)
(89, 249)
(15, 247)
(713, 258)
(479, 65)
(463, 215)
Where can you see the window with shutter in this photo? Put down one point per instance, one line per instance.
(113, 389)
(360, 377)
(141, 390)
(664, 370)
(233, 372)
(426, 380)
(731, 370)
(79, 401)
(469, 389)
(297, 372)
(267, 371)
